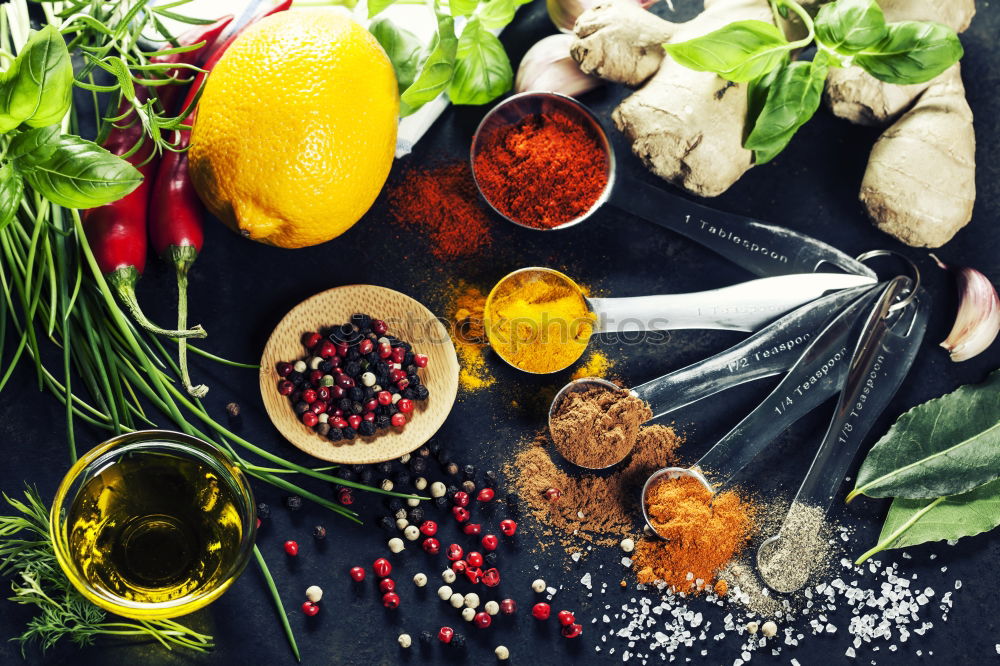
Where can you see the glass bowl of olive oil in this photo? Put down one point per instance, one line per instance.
(153, 524)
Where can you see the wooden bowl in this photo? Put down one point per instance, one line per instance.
(408, 320)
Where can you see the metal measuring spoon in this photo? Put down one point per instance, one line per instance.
(762, 249)
(881, 359)
(770, 351)
(742, 307)
(817, 375)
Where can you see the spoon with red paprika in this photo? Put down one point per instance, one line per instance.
(543, 161)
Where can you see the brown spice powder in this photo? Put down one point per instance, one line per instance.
(703, 534)
(592, 509)
(597, 427)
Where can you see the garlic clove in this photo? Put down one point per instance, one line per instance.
(548, 67)
(978, 320)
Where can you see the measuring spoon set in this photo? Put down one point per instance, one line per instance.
(857, 342)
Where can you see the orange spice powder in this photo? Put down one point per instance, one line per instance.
(703, 533)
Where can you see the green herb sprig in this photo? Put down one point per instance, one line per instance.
(783, 94)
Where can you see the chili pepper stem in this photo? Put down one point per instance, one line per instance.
(182, 256)
(122, 281)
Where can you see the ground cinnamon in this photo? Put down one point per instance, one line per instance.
(597, 427)
(703, 534)
(590, 508)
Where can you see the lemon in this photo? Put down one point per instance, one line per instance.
(296, 128)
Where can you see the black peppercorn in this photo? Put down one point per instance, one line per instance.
(348, 432)
(384, 468)
(424, 451)
(491, 478)
(353, 355)
(344, 405)
(457, 641)
(423, 393)
(301, 407)
(296, 378)
(335, 435)
(513, 508)
(293, 502)
(352, 368)
(358, 468)
(450, 492)
(366, 429)
(347, 474)
(408, 359)
(469, 486)
(491, 558)
(451, 469)
(442, 456)
(418, 465)
(416, 515)
(356, 394)
(357, 408)
(427, 638)
(387, 523)
(325, 367)
(368, 393)
(323, 429)
(263, 510)
(402, 478)
(319, 532)
(367, 475)
(382, 422)
(469, 472)
(409, 393)
(441, 502)
(395, 504)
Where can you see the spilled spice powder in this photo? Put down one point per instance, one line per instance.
(597, 364)
(465, 310)
(592, 509)
(597, 427)
(442, 202)
(703, 534)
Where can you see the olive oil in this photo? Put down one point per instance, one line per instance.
(155, 528)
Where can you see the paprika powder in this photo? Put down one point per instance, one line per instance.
(544, 171)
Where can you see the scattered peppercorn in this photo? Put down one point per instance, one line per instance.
(291, 548)
(310, 609)
(382, 567)
(508, 527)
(357, 574)
(566, 618)
(572, 631)
(263, 510)
(293, 502)
(541, 611)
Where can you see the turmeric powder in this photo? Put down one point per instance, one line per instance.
(465, 307)
(703, 533)
(538, 321)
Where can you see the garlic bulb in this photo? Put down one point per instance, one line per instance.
(978, 320)
(565, 12)
(548, 67)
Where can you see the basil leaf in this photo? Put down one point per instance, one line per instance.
(436, 70)
(912, 52)
(38, 142)
(11, 190)
(462, 7)
(945, 446)
(913, 521)
(403, 48)
(849, 26)
(496, 14)
(483, 71)
(757, 91)
(79, 174)
(792, 99)
(376, 6)
(37, 88)
(741, 51)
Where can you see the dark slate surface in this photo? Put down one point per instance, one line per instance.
(241, 289)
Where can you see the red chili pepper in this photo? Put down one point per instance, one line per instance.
(116, 231)
(175, 212)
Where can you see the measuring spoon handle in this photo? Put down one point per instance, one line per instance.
(881, 359)
(742, 307)
(770, 351)
(762, 249)
(817, 375)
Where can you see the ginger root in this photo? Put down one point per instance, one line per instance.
(920, 184)
(686, 126)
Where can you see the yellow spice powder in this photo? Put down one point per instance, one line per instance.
(537, 322)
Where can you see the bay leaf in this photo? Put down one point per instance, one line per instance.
(945, 446)
(913, 521)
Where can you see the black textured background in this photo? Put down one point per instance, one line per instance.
(241, 289)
